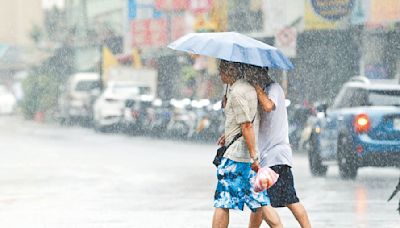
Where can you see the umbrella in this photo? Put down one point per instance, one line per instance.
(234, 47)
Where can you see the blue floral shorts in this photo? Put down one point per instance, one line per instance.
(234, 188)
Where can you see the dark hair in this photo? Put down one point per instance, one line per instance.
(256, 75)
(233, 69)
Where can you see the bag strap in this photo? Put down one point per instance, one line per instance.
(238, 135)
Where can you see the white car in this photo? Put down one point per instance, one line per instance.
(8, 101)
(109, 108)
(74, 102)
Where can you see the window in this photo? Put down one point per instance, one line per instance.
(87, 85)
(343, 100)
(384, 98)
(359, 98)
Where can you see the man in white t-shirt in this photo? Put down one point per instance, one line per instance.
(276, 152)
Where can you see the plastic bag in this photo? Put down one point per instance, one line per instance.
(264, 179)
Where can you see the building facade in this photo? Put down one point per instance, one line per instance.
(17, 19)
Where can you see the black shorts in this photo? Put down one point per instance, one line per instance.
(283, 193)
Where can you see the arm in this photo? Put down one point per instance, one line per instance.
(248, 135)
(267, 104)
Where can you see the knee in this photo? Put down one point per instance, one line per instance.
(273, 221)
(271, 217)
(296, 208)
(255, 219)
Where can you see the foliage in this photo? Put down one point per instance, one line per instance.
(40, 93)
(188, 75)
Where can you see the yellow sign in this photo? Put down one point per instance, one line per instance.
(136, 59)
(219, 15)
(326, 14)
(109, 61)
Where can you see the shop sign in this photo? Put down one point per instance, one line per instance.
(172, 5)
(332, 10)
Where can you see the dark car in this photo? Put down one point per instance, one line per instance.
(361, 128)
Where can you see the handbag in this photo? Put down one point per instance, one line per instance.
(221, 151)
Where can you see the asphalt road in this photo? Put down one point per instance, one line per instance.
(72, 177)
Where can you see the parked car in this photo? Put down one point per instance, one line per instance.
(109, 107)
(361, 128)
(75, 100)
(8, 101)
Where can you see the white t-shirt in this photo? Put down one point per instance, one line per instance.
(273, 136)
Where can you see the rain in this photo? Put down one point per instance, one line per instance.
(108, 120)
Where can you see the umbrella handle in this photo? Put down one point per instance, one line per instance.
(225, 99)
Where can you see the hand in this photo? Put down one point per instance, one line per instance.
(258, 88)
(255, 166)
(221, 140)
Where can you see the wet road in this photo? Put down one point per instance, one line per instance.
(53, 176)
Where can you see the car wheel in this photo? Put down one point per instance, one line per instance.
(99, 128)
(314, 160)
(346, 158)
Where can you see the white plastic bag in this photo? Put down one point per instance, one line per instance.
(264, 179)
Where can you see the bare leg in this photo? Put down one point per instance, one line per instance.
(271, 217)
(300, 214)
(256, 219)
(221, 218)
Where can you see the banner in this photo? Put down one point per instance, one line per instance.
(286, 41)
(172, 5)
(149, 33)
(200, 6)
(326, 14)
(384, 11)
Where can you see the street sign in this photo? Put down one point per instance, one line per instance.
(132, 9)
(286, 40)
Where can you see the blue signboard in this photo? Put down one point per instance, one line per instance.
(332, 10)
(156, 13)
(132, 9)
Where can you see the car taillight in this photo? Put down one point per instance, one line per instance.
(362, 124)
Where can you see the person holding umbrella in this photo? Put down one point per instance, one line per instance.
(274, 146)
(234, 50)
(240, 160)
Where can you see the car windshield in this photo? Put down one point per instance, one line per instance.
(86, 85)
(125, 89)
(384, 98)
(130, 90)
